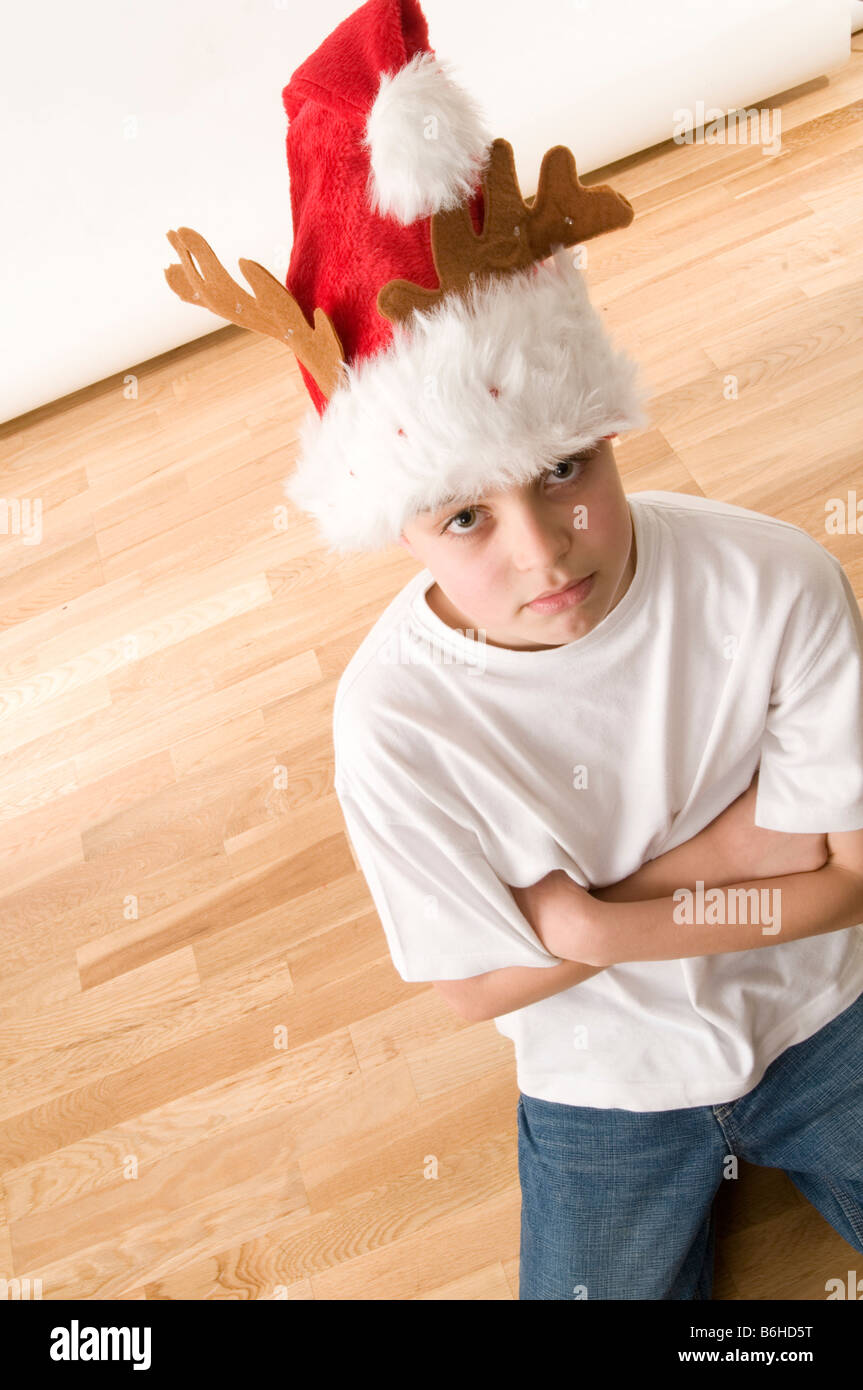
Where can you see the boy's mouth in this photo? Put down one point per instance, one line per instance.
(574, 592)
(550, 593)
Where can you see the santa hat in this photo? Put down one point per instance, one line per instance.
(441, 327)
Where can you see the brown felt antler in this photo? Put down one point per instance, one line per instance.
(273, 310)
(516, 232)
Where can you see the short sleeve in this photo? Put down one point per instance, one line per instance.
(445, 913)
(811, 771)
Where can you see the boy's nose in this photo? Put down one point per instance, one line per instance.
(536, 546)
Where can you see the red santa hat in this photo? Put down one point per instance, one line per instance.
(441, 327)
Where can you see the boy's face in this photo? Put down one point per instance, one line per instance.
(492, 556)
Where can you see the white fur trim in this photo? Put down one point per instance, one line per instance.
(427, 142)
(534, 335)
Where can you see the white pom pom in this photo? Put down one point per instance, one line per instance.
(427, 140)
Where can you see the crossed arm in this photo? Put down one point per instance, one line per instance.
(809, 885)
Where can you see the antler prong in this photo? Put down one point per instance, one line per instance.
(272, 310)
(516, 232)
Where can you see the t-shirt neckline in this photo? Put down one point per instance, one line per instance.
(518, 660)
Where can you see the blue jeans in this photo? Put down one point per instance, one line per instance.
(619, 1203)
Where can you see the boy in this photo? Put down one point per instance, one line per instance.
(647, 1049)
(546, 793)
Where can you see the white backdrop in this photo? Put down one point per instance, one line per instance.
(120, 121)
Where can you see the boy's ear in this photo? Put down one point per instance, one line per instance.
(406, 543)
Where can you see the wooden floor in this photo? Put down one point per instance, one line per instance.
(213, 1083)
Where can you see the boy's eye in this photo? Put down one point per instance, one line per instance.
(572, 462)
(582, 458)
(448, 528)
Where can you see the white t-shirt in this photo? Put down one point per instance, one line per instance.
(459, 767)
